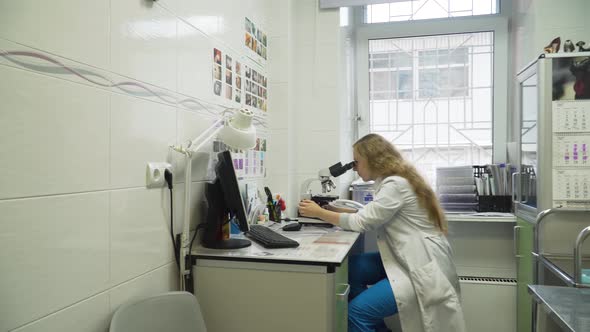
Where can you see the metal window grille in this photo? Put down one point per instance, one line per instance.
(433, 98)
(428, 9)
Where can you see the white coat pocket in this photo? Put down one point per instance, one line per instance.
(437, 299)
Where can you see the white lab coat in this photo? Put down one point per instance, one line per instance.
(416, 256)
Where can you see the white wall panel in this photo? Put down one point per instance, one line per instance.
(19, 21)
(327, 68)
(170, 5)
(278, 57)
(143, 42)
(304, 26)
(303, 64)
(316, 150)
(190, 126)
(195, 62)
(276, 161)
(54, 252)
(279, 18)
(53, 135)
(328, 27)
(92, 315)
(140, 232)
(278, 105)
(71, 28)
(326, 106)
(160, 280)
(204, 15)
(141, 131)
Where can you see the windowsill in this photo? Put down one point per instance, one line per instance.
(487, 217)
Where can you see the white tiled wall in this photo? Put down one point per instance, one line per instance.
(79, 232)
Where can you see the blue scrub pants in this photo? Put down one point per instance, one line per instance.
(368, 306)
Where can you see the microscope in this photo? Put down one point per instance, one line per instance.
(324, 177)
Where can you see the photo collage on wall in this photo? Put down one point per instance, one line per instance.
(223, 85)
(256, 89)
(255, 39)
(248, 164)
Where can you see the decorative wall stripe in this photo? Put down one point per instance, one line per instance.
(105, 82)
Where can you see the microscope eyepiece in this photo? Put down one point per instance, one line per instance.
(339, 169)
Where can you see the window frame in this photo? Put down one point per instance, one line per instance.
(496, 23)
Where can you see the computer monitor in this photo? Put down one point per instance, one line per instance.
(224, 204)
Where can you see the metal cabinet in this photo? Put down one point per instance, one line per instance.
(553, 172)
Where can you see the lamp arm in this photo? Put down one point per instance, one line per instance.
(200, 139)
(192, 148)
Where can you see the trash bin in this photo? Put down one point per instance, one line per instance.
(362, 192)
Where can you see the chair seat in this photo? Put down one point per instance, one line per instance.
(171, 312)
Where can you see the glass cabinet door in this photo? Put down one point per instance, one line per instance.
(528, 141)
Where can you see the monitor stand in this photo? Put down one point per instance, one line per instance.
(228, 244)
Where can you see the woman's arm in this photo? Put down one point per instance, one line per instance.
(308, 208)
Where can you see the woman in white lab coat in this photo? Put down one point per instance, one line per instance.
(413, 274)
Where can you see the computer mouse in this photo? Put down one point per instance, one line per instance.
(292, 227)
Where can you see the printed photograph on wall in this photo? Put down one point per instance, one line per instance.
(255, 38)
(217, 88)
(228, 91)
(255, 88)
(228, 77)
(571, 78)
(217, 72)
(238, 85)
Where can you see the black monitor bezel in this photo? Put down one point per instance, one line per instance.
(223, 198)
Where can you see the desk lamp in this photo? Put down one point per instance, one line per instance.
(235, 130)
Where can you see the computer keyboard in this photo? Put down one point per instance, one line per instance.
(269, 238)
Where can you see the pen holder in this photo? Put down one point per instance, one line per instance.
(274, 212)
(494, 203)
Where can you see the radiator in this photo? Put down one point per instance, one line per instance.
(489, 304)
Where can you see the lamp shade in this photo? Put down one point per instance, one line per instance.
(238, 132)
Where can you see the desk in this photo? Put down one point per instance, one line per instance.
(292, 289)
(567, 306)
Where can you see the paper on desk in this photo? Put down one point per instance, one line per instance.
(332, 238)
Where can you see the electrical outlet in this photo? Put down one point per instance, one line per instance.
(154, 174)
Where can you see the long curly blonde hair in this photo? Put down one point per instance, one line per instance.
(385, 160)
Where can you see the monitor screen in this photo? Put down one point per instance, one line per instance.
(224, 204)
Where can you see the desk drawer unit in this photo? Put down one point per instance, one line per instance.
(262, 296)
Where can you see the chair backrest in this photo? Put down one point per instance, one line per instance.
(171, 312)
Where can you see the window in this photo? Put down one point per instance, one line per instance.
(428, 9)
(433, 97)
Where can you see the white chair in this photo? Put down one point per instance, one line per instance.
(170, 312)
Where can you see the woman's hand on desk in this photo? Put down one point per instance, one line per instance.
(310, 209)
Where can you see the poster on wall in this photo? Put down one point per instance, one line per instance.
(255, 38)
(571, 78)
(256, 89)
(249, 163)
(227, 76)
